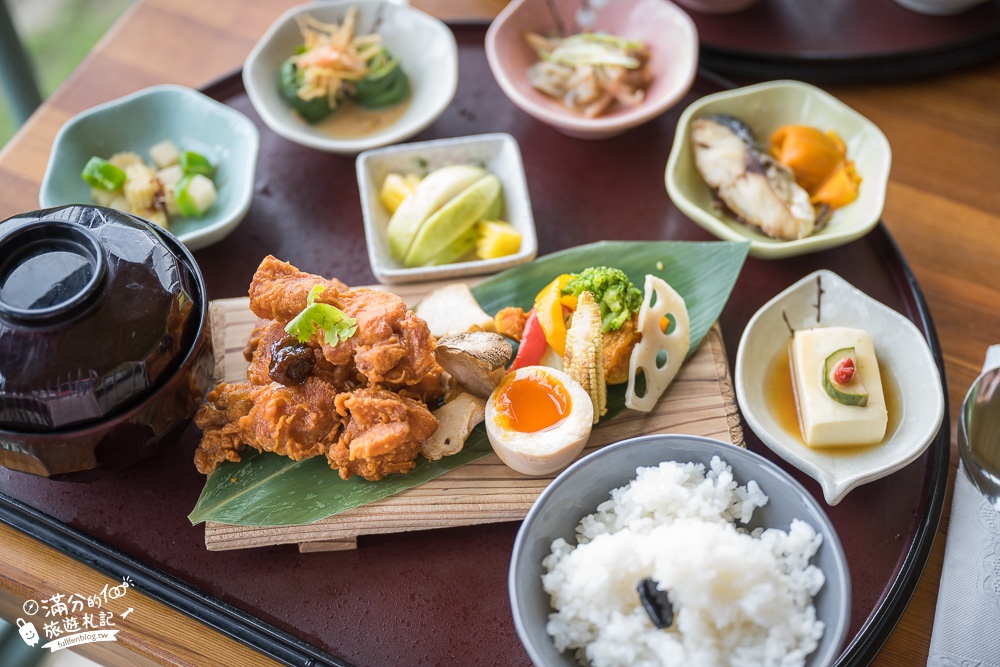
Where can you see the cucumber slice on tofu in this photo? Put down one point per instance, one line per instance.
(841, 379)
(195, 194)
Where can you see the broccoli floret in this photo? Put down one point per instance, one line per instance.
(613, 292)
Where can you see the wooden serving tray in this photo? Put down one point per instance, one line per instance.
(699, 402)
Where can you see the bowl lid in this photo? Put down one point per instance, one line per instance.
(95, 312)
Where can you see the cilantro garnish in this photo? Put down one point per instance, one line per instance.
(332, 321)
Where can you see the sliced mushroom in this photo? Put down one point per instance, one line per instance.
(453, 309)
(456, 419)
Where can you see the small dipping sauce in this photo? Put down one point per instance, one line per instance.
(538, 420)
(353, 121)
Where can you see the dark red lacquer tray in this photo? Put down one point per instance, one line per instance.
(440, 597)
(845, 40)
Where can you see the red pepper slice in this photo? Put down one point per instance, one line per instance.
(532, 345)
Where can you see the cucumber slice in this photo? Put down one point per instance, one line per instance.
(289, 81)
(385, 85)
(851, 392)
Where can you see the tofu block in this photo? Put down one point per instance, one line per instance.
(825, 422)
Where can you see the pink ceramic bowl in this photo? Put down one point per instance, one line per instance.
(669, 33)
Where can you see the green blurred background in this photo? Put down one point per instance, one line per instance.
(57, 34)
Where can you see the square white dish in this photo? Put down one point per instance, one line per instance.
(901, 349)
(498, 153)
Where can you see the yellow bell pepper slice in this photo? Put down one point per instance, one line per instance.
(549, 311)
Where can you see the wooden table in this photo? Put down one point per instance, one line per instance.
(943, 208)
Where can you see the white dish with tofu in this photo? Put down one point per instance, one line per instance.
(891, 371)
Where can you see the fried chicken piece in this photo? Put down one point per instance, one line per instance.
(279, 291)
(510, 322)
(267, 336)
(259, 330)
(618, 346)
(273, 336)
(383, 433)
(218, 418)
(391, 347)
(299, 422)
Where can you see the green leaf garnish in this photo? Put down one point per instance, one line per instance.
(332, 321)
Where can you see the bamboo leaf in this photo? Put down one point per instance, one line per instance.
(270, 490)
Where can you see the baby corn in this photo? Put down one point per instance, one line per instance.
(583, 360)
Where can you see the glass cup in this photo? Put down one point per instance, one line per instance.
(979, 429)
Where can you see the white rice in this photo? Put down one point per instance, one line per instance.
(739, 599)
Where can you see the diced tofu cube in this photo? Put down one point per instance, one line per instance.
(164, 154)
(196, 197)
(157, 217)
(104, 197)
(125, 159)
(170, 201)
(119, 204)
(824, 421)
(170, 175)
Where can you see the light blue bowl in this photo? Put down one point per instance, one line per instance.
(139, 121)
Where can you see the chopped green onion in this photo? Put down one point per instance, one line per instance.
(100, 173)
(332, 321)
(195, 163)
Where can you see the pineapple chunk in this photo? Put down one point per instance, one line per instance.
(497, 239)
(396, 188)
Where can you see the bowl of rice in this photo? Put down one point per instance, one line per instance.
(678, 550)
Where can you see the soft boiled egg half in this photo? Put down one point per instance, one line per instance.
(538, 419)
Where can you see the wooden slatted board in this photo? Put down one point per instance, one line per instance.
(699, 402)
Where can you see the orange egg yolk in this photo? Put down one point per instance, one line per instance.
(531, 403)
